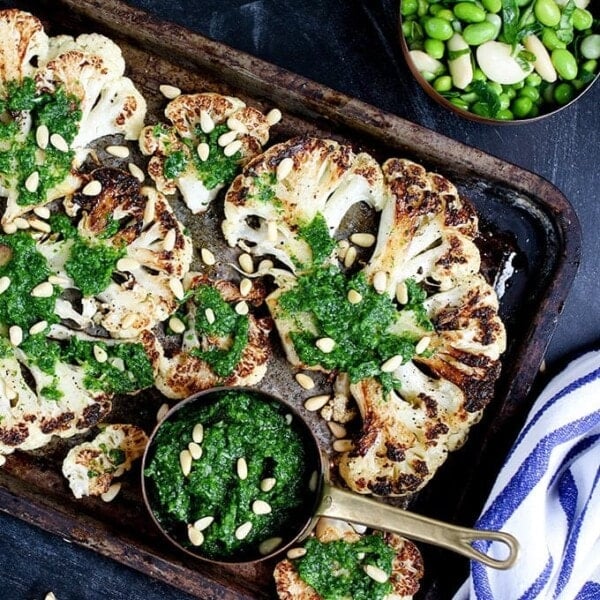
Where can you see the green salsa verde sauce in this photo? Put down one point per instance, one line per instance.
(237, 425)
(20, 154)
(336, 569)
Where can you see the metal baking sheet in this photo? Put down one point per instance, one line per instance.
(516, 206)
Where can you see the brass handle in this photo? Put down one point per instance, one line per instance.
(348, 506)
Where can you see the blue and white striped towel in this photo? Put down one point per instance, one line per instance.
(548, 496)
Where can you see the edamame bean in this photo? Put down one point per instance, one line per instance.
(590, 46)
(479, 33)
(409, 7)
(589, 66)
(564, 63)
(469, 12)
(435, 48)
(438, 29)
(443, 83)
(492, 6)
(521, 106)
(547, 12)
(445, 13)
(550, 39)
(531, 93)
(564, 93)
(496, 21)
(505, 115)
(582, 19)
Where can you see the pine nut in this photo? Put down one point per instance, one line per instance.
(375, 573)
(176, 325)
(117, 362)
(338, 431)
(265, 265)
(42, 136)
(359, 528)
(350, 257)
(380, 280)
(195, 450)
(226, 138)
(127, 264)
(284, 168)
(136, 172)
(38, 327)
(313, 481)
(9, 228)
(40, 225)
(4, 283)
(185, 462)
(242, 468)
(241, 308)
(402, 293)
(364, 240)
(260, 507)
(343, 445)
(316, 402)
(118, 151)
(15, 335)
(422, 344)
(149, 210)
(195, 536)
(354, 297)
(305, 381)
(2, 460)
(93, 188)
(128, 320)
(50, 596)
(245, 286)
(325, 344)
(43, 212)
(243, 530)
(198, 433)
(267, 484)
(32, 182)
(208, 258)
(162, 411)
(209, 313)
(21, 223)
(203, 151)
(169, 241)
(294, 553)
(59, 142)
(203, 523)
(232, 148)
(43, 290)
(269, 545)
(100, 353)
(288, 419)
(111, 492)
(246, 263)
(391, 364)
(343, 246)
(206, 122)
(237, 125)
(177, 288)
(169, 91)
(56, 280)
(273, 116)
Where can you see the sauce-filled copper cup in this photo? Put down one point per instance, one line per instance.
(235, 475)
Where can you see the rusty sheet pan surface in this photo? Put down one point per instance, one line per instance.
(513, 204)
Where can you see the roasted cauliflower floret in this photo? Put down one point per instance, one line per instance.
(91, 467)
(210, 137)
(213, 340)
(403, 580)
(271, 206)
(126, 257)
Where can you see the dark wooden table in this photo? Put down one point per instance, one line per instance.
(350, 46)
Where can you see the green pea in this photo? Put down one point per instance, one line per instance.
(519, 85)
(582, 19)
(589, 66)
(510, 92)
(443, 83)
(481, 109)
(522, 106)
(505, 115)
(496, 87)
(533, 79)
(409, 7)
(469, 12)
(550, 39)
(435, 48)
(564, 93)
(534, 112)
(478, 33)
(564, 63)
(492, 6)
(547, 12)
(590, 46)
(438, 29)
(504, 101)
(530, 92)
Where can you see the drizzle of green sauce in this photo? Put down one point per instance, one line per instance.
(316, 235)
(237, 425)
(265, 191)
(227, 323)
(20, 155)
(335, 569)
